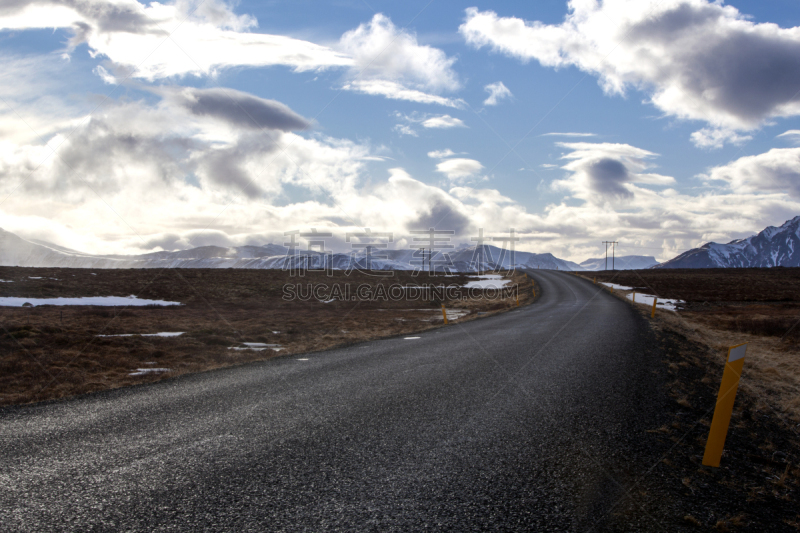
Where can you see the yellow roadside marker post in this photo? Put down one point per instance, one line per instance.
(444, 314)
(653, 312)
(724, 407)
(634, 296)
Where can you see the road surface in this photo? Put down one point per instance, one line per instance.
(532, 420)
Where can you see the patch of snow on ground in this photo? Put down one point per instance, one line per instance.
(6, 281)
(647, 299)
(488, 281)
(159, 334)
(33, 277)
(617, 287)
(257, 346)
(143, 371)
(455, 314)
(107, 301)
(662, 303)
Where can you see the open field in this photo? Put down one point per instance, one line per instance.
(725, 307)
(49, 352)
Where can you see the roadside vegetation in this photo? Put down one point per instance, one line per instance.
(756, 487)
(725, 307)
(227, 317)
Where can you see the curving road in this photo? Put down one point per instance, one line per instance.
(532, 420)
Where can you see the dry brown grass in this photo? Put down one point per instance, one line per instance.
(726, 307)
(49, 352)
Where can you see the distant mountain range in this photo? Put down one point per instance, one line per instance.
(15, 251)
(624, 262)
(770, 248)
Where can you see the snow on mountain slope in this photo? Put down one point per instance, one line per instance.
(772, 247)
(623, 262)
(15, 251)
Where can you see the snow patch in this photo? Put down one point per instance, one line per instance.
(257, 346)
(107, 301)
(668, 304)
(159, 334)
(488, 281)
(662, 303)
(143, 371)
(617, 287)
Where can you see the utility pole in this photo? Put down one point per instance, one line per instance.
(612, 243)
(613, 246)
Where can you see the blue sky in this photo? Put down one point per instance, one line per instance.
(130, 127)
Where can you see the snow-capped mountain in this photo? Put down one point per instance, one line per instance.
(15, 251)
(772, 247)
(622, 262)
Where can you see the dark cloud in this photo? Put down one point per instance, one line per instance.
(441, 216)
(698, 59)
(165, 241)
(607, 176)
(225, 166)
(682, 19)
(748, 74)
(241, 109)
(113, 17)
(98, 155)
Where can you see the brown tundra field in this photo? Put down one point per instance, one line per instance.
(725, 307)
(50, 351)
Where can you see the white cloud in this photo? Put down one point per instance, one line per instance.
(568, 134)
(792, 135)
(717, 137)
(772, 172)
(696, 59)
(139, 38)
(396, 91)
(390, 62)
(443, 122)
(181, 178)
(382, 51)
(459, 168)
(497, 91)
(105, 75)
(441, 154)
(159, 41)
(405, 129)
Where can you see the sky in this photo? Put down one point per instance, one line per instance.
(130, 127)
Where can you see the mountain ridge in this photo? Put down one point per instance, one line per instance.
(771, 247)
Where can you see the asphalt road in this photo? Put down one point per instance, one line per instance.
(532, 420)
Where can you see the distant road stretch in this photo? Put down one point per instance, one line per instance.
(521, 421)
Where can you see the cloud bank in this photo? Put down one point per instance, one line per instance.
(696, 59)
